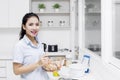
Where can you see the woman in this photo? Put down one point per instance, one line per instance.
(29, 59)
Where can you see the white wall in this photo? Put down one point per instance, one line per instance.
(10, 36)
(62, 38)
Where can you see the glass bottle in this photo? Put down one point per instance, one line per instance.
(68, 59)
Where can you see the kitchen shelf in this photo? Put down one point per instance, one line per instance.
(51, 20)
(46, 13)
(93, 17)
(55, 28)
(50, 0)
(93, 13)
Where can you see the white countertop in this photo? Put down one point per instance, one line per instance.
(72, 73)
(98, 71)
(10, 55)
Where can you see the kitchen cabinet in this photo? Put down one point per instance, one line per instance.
(6, 70)
(2, 63)
(3, 72)
(93, 14)
(2, 69)
(10, 74)
(12, 12)
(4, 13)
(92, 25)
(17, 9)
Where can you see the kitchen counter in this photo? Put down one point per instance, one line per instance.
(77, 71)
(10, 56)
(70, 73)
(98, 71)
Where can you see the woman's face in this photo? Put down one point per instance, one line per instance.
(32, 27)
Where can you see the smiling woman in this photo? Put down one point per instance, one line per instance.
(29, 58)
(30, 26)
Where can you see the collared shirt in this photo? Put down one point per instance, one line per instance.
(26, 53)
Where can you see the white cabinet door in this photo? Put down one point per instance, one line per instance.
(10, 74)
(2, 63)
(3, 79)
(17, 9)
(2, 72)
(4, 13)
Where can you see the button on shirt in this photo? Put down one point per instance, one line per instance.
(26, 53)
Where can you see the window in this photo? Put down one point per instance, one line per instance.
(110, 31)
(93, 26)
(115, 59)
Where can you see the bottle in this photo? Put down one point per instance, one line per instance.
(51, 23)
(63, 23)
(60, 23)
(86, 63)
(68, 59)
(48, 23)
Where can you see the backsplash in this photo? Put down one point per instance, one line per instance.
(10, 36)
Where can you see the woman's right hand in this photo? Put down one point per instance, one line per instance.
(44, 61)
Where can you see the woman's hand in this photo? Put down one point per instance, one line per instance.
(58, 64)
(52, 66)
(44, 61)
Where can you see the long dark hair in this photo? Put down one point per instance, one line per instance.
(24, 21)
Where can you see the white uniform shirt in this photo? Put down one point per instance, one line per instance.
(26, 53)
